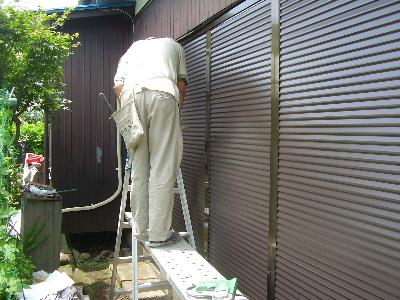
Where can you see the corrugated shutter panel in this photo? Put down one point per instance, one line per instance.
(339, 168)
(194, 128)
(240, 138)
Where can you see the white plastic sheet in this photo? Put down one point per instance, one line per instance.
(55, 287)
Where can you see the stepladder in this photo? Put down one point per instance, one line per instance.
(125, 221)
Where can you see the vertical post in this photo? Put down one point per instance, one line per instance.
(47, 141)
(207, 145)
(135, 293)
(274, 150)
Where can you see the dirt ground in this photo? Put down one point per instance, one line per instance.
(90, 266)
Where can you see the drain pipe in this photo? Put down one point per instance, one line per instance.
(119, 169)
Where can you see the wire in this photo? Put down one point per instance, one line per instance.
(117, 192)
(120, 10)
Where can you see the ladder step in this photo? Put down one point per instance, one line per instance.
(145, 287)
(184, 234)
(128, 259)
(177, 190)
(126, 225)
(128, 216)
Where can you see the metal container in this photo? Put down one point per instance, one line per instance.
(45, 213)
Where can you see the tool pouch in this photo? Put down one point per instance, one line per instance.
(128, 124)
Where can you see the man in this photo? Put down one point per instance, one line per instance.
(153, 73)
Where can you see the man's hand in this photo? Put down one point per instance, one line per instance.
(182, 90)
(119, 85)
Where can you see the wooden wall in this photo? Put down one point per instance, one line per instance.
(84, 138)
(174, 18)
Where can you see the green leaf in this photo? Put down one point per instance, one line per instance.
(7, 213)
(32, 240)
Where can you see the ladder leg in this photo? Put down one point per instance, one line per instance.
(185, 209)
(134, 267)
(119, 232)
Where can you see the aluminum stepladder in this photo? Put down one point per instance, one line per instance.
(125, 221)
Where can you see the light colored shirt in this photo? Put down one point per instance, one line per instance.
(154, 64)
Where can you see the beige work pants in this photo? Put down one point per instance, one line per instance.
(156, 161)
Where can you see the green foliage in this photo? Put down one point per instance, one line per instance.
(6, 149)
(90, 264)
(33, 135)
(33, 240)
(32, 116)
(32, 53)
(15, 267)
(13, 178)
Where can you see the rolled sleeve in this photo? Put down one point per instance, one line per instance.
(182, 73)
(122, 69)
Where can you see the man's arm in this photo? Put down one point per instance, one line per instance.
(182, 90)
(119, 85)
(120, 76)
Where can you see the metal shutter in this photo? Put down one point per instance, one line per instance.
(194, 128)
(239, 146)
(339, 173)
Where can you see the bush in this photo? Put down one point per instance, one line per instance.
(33, 136)
(15, 267)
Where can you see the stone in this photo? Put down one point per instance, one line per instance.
(105, 253)
(84, 256)
(99, 258)
(125, 251)
(65, 259)
(76, 254)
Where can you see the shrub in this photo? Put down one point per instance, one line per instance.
(15, 267)
(33, 135)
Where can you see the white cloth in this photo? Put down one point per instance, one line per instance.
(128, 124)
(153, 64)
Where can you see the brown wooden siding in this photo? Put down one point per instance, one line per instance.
(83, 145)
(174, 18)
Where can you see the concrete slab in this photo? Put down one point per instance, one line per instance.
(146, 273)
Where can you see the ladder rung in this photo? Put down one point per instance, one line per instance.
(128, 259)
(145, 287)
(154, 286)
(128, 215)
(126, 225)
(177, 190)
(184, 234)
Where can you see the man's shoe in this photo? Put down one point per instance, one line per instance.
(175, 237)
